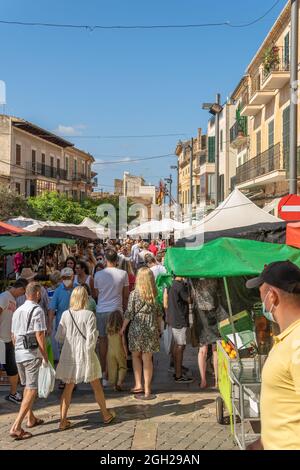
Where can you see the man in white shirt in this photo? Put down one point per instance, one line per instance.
(135, 251)
(29, 318)
(112, 287)
(8, 304)
(154, 266)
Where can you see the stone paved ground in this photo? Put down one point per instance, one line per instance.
(181, 418)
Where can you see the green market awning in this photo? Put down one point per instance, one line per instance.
(227, 257)
(10, 245)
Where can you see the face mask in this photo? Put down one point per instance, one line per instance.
(268, 313)
(68, 283)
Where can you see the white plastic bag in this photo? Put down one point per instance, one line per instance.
(46, 381)
(167, 337)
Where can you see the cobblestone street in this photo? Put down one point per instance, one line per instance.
(180, 418)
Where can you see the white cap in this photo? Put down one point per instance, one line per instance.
(67, 272)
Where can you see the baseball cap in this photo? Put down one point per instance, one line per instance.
(282, 274)
(67, 272)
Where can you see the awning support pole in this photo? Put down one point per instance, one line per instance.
(231, 317)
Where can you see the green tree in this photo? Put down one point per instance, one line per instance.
(56, 207)
(12, 204)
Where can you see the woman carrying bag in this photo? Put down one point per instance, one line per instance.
(143, 316)
(78, 362)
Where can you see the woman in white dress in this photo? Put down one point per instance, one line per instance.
(78, 361)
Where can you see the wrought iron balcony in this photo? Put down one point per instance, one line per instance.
(80, 177)
(276, 68)
(239, 132)
(41, 169)
(262, 164)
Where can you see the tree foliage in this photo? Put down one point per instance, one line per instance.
(11, 204)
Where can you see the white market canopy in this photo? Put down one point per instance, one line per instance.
(236, 211)
(156, 226)
(95, 227)
(32, 225)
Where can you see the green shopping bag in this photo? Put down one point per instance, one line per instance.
(50, 351)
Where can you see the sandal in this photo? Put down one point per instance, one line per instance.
(145, 397)
(66, 426)
(37, 422)
(22, 436)
(137, 390)
(112, 417)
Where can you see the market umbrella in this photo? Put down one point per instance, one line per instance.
(6, 229)
(75, 232)
(10, 245)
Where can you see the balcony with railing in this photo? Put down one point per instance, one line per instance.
(239, 133)
(268, 167)
(275, 68)
(80, 177)
(41, 169)
(258, 96)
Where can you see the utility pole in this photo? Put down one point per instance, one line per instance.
(294, 97)
(191, 180)
(170, 195)
(217, 151)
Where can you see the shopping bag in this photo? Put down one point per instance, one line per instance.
(46, 381)
(167, 338)
(50, 351)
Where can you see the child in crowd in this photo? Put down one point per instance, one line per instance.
(117, 352)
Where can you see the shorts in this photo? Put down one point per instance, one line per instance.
(10, 367)
(102, 320)
(29, 373)
(179, 336)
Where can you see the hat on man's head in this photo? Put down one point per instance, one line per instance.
(27, 274)
(282, 274)
(67, 272)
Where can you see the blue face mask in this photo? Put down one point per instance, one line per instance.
(268, 313)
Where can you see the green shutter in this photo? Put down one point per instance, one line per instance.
(211, 149)
(286, 137)
(287, 51)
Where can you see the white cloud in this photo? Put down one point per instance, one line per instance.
(69, 130)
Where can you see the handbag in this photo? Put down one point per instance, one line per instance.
(78, 329)
(29, 339)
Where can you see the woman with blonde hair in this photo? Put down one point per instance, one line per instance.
(78, 361)
(143, 316)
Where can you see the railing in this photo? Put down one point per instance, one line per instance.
(245, 98)
(80, 177)
(264, 163)
(46, 170)
(276, 60)
(238, 127)
(255, 83)
(202, 159)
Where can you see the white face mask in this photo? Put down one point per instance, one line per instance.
(68, 283)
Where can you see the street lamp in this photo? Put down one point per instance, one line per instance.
(215, 109)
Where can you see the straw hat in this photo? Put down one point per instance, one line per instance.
(27, 274)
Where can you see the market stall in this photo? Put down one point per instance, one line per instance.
(236, 217)
(155, 227)
(10, 245)
(246, 334)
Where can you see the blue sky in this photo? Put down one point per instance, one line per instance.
(131, 82)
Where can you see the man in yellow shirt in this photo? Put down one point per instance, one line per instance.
(279, 286)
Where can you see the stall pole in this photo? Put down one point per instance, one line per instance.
(231, 317)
